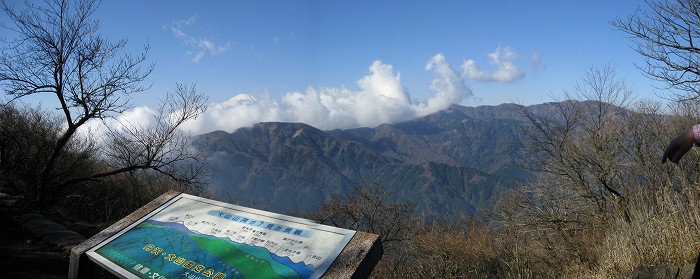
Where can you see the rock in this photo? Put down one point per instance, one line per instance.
(21, 219)
(8, 200)
(687, 271)
(664, 271)
(42, 227)
(58, 236)
(49, 231)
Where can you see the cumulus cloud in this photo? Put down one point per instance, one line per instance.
(201, 46)
(381, 98)
(505, 71)
(447, 84)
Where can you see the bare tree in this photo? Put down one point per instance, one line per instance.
(595, 168)
(666, 35)
(157, 146)
(582, 143)
(53, 48)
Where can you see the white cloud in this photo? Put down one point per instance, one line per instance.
(505, 71)
(381, 98)
(536, 61)
(201, 46)
(447, 84)
(137, 117)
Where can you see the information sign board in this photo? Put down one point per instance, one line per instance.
(197, 238)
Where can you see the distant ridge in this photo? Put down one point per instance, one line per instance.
(450, 162)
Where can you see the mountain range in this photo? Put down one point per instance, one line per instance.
(455, 161)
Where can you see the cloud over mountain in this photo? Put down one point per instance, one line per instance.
(381, 98)
(506, 70)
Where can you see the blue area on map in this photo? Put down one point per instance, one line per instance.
(172, 239)
(304, 270)
(175, 238)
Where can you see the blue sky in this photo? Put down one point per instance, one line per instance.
(290, 56)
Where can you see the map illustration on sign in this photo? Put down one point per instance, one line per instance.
(196, 238)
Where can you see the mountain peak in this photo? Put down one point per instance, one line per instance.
(240, 99)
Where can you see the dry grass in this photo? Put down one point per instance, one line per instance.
(663, 230)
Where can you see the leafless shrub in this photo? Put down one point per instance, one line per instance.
(369, 207)
(603, 203)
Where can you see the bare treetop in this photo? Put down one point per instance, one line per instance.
(53, 48)
(58, 51)
(667, 36)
